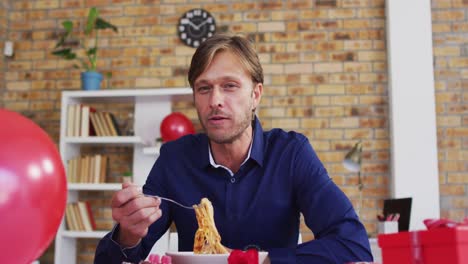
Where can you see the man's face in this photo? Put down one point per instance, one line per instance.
(225, 97)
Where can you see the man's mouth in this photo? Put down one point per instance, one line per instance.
(216, 118)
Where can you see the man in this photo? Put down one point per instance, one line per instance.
(258, 182)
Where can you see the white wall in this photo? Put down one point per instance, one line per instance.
(412, 108)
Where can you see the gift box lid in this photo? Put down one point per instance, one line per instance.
(445, 235)
(436, 236)
(401, 239)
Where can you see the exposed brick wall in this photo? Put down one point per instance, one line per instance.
(325, 76)
(318, 60)
(4, 6)
(450, 40)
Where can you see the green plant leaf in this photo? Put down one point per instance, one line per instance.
(92, 16)
(65, 53)
(70, 56)
(91, 51)
(60, 42)
(67, 44)
(103, 24)
(68, 26)
(108, 74)
(85, 65)
(62, 52)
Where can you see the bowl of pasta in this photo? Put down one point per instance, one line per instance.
(192, 258)
(207, 247)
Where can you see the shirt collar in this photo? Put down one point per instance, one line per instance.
(214, 164)
(255, 150)
(258, 143)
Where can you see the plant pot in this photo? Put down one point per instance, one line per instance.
(91, 80)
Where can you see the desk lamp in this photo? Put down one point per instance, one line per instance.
(352, 162)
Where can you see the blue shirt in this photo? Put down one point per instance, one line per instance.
(259, 205)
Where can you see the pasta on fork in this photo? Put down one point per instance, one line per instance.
(207, 238)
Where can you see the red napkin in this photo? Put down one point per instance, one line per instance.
(243, 257)
(443, 222)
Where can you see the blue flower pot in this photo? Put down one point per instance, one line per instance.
(91, 80)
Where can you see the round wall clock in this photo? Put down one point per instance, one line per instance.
(195, 26)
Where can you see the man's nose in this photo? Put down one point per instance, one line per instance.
(216, 98)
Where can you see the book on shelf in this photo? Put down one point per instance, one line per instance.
(105, 125)
(103, 169)
(109, 124)
(85, 218)
(70, 120)
(98, 124)
(87, 169)
(88, 176)
(78, 169)
(73, 120)
(69, 219)
(83, 164)
(79, 216)
(115, 125)
(87, 129)
(91, 215)
(70, 171)
(78, 219)
(95, 169)
(84, 121)
(77, 120)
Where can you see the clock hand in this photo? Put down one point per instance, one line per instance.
(202, 23)
(209, 19)
(187, 21)
(193, 25)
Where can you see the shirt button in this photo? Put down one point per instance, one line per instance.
(233, 180)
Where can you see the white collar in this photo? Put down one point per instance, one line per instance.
(213, 163)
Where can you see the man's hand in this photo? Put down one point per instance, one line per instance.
(134, 212)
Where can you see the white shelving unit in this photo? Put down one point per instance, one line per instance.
(94, 186)
(150, 107)
(122, 140)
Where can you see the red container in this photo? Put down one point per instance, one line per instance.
(435, 246)
(399, 248)
(445, 245)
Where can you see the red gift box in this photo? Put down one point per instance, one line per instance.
(243, 257)
(434, 246)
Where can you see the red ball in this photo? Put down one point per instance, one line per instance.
(176, 125)
(33, 191)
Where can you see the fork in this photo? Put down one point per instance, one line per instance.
(169, 200)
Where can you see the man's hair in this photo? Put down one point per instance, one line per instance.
(241, 47)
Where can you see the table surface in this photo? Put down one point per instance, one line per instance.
(376, 251)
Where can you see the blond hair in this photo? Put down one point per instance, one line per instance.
(238, 45)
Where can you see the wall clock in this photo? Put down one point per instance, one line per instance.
(195, 26)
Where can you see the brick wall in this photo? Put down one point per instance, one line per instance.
(450, 40)
(3, 35)
(325, 76)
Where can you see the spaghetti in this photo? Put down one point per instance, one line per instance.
(207, 238)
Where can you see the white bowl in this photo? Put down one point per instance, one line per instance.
(190, 258)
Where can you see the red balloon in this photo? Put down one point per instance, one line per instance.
(176, 125)
(33, 191)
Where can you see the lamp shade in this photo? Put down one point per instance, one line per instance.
(352, 160)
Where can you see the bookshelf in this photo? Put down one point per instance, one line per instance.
(150, 106)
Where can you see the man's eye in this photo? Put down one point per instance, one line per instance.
(203, 89)
(230, 85)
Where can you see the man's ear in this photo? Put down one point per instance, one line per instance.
(257, 94)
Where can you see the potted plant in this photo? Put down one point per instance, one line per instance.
(68, 44)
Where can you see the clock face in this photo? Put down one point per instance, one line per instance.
(195, 26)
